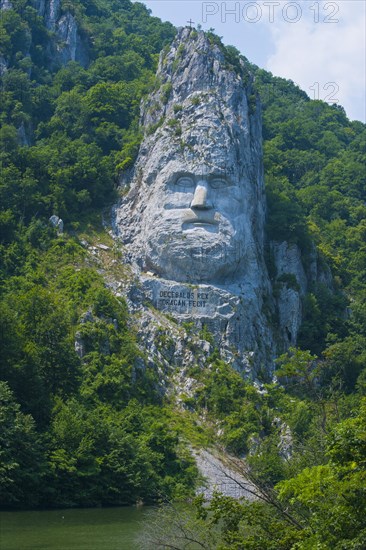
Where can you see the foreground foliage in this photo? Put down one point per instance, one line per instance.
(320, 507)
(79, 432)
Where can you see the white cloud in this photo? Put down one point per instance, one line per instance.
(309, 52)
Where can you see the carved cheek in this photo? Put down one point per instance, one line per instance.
(228, 206)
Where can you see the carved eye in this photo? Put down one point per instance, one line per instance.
(185, 181)
(218, 183)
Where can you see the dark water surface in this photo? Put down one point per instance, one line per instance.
(88, 529)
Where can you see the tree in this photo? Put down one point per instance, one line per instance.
(300, 371)
(21, 460)
(333, 496)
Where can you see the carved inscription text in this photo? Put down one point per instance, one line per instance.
(173, 299)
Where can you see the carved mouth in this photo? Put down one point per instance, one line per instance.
(210, 225)
(197, 221)
(200, 219)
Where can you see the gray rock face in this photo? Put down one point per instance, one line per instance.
(40, 6)
(289, 313)
(69, 46)
(66, 43)
(3, 65)
(196, 205)
(22, 135)
(51, 11)
(195, 211)
(67, 35)
(6, 5)
(287, 260)
(79, 345)
(231, 314)
(293, 282)
(222, 478)
(57, 223)
(193, 218)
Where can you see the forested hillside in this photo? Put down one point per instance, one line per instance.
(99, 429)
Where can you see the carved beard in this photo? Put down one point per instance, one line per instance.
(199, 254)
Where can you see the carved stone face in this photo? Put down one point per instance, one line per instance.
(194, 224)
(195, 209)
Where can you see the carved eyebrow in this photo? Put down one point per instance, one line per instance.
(213, 176)
(226, 177)
(215, 179)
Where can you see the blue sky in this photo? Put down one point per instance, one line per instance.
(320, 45)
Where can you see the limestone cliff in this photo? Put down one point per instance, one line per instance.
(202, 143)
(292, 280)
(65, 40)
(66, 43)
(192, 217)
(193, 220)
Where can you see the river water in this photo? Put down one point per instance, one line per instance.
(86, 529)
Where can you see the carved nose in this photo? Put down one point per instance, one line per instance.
(200, 198)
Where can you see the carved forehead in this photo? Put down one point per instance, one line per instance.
(196, 169)
(198, 156)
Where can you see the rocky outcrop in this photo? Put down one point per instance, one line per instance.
(221, 477)
(290, 287)
(66, 43)
(3, 65)
(192, 217)
(57, 223)
(22, 135)
(40, 6)
(51, 12)
(193, 220)
(66, 31)
(287, 259)
(293, 279)
(6, 5)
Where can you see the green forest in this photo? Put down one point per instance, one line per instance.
(99, 430)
